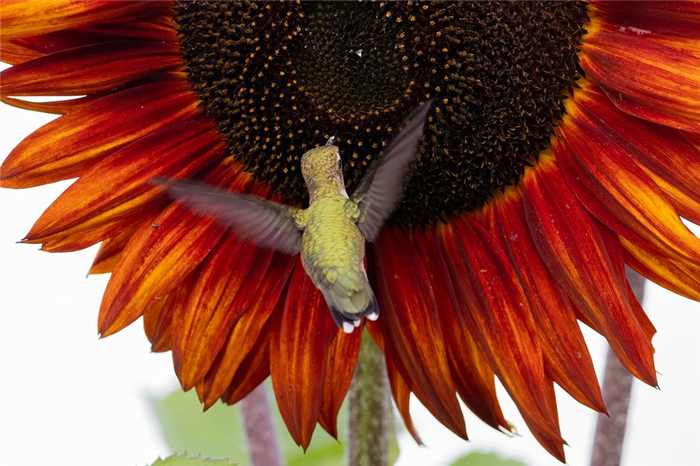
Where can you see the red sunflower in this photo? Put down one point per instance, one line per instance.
(563, 144)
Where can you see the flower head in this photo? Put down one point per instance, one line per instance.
(563, 145)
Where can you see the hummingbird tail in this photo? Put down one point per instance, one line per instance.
(348, 309)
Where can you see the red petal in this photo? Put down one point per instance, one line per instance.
(89, 69)
(120, 185)
(411, 327)
(473, 377)
(617, 192)
(259, 298)
(571, 246)
(160, 256)
(70, 145)
(494, 305)
(664, 153)
(253, 371)
(342, 359)
(663, 17)
(22, 18)
(566, 356)
(402, 397)
(158, 317)
(644, 78)
(298, 359)
(201, 330)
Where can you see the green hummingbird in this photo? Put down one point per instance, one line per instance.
(330, 234)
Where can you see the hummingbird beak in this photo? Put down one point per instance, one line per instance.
(331, 140)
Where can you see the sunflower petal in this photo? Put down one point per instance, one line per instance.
(664, 153)
(617, 192)
(158, 257)
(473, 377)
(158, 317)
(298, 359)
(402, 398)
(493, 303)
(21, 18)
(645, 78)
(89, 69)
(566, 356)
(571, 246)
(180, 150)
(110, 249)
(342, 359)
(411, 327)
(70, 145)
(253, 371)
(260, 297)
(201, 330)
(679, 277)
(664, 17)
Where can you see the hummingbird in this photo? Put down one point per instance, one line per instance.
(330, 234)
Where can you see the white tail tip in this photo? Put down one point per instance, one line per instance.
(373, 316)
(348, 327)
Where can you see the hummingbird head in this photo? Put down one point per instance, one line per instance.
(322, 168)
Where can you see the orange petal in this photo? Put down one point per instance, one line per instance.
(342, 359)
(571, 246)
(89, 69)
(15, 54)
(70, 145)
(664, 153)
(158, 257)
(473, 377)
(618, 193)
(493, 304)
(298, 356)
(58, 107)
(260, 296)
(411, 327)
(78, 238)
(645, 78)
(120, 184)
(201, 330)
(679, 277)
(21, 18)
(566, 356)
(110, 249)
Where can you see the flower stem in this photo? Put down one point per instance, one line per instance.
(369, 409)
(617, 388)
(263, 442)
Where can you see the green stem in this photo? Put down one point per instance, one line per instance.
(369, 409)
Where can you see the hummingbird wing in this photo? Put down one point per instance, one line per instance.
(252, 218)
(380, 189)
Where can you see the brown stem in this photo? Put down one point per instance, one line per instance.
(263, 443)
(369, 409)
(617, 387)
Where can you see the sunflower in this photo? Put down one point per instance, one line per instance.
(564, 144)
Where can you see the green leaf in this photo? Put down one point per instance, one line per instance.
(184, 460)
(219, 433)
(482, 459)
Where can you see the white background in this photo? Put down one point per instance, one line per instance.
(68, 398)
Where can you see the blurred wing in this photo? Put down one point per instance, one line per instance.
(251, 218)
(380, 189)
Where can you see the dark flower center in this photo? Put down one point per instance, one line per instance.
(280, 78)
